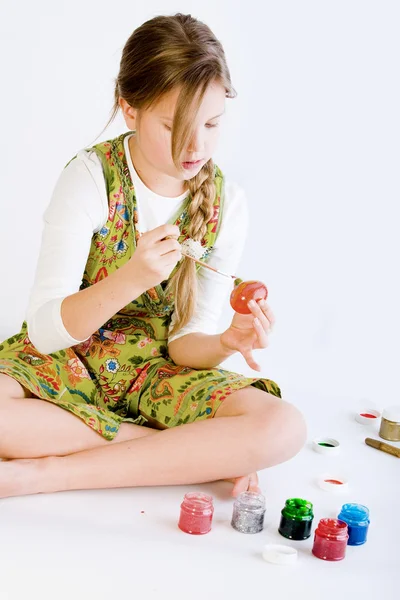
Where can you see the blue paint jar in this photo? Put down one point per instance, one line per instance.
(357, 518)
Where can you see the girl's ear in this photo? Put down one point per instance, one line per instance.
(129, 113)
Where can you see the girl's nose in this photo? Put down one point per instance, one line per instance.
(196, 144)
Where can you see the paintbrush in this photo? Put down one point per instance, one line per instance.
(203, 264)
(194, 250)
(382, 446)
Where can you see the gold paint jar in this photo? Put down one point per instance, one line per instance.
(390, 424)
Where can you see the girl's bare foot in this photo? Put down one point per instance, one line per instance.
(20, 477)
(246, 483)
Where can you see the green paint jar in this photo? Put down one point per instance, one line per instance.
(296, 519)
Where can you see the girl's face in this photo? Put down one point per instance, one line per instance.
(151, 146)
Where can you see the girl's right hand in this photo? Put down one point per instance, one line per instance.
(155, 257)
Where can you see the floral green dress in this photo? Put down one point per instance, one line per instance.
(123, 371)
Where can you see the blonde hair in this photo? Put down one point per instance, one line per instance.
(163, 53)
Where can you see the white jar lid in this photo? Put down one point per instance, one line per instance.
(333, 483)
(326, 446)
(368, 416)
(392, 413)
(280, 554)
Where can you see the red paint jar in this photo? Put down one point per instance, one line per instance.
(196, 513)
(330, 539)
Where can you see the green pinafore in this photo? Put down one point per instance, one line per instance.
(123, 371)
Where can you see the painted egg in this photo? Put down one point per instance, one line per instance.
(245, 291)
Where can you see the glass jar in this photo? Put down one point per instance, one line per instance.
(248, 512)
(196, 515)
(390, 424)
(330, 539)
(357, 518)
(296, 519)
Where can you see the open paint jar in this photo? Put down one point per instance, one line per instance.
(390, 424)
(196, 513)
(296, 519)
(330, 539)
(248, 512)
(357, 518)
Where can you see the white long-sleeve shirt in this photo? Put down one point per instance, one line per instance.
(79, 208)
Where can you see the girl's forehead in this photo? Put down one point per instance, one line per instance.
(214, 96)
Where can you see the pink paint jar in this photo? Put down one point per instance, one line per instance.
(330, 539)
(196, 513)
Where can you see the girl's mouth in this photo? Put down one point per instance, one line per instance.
(191, 165)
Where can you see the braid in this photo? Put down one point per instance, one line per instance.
(200, 211)
(202, 189)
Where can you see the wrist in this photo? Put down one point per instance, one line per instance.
(226, 350)
(131, 282)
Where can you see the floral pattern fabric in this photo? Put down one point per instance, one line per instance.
(123, 371)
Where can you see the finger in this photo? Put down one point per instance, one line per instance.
(267, 311)
(170, 245)
(161, 232)
(253, 483)
(257, 311)
(261, 333)
(248, 356)
(170, 259)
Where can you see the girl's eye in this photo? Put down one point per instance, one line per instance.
(209, 126)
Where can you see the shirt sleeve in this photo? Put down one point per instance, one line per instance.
(77, 209)
(213, 288)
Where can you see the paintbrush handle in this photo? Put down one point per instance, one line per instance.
(203, 264)
(393, 450)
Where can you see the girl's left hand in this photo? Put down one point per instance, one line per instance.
(250, 332)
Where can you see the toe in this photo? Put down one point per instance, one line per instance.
(241, 485)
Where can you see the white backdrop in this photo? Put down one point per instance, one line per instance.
(313, 137)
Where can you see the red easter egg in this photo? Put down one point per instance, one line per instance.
(246, 291)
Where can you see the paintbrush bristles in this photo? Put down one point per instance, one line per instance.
(383, 446)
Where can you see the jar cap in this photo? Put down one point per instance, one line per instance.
(392, 413)
(367, 416)
(280, 554)
(326, 446)
(333, 483)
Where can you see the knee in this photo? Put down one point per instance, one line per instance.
(279, 433)
(10, 388)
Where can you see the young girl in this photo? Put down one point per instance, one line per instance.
(114, 379)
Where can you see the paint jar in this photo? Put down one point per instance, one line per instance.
(357, 518)
(196, 513)
(296, 519)
(330, 539)
(248, 512)
(390, 424)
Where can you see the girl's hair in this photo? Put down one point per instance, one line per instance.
(163, 53)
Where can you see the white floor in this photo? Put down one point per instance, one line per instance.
(99, 544)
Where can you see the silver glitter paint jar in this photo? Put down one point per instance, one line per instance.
(248, 512)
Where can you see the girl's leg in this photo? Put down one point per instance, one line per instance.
(33, 428)
(252, 430)
(58, 432)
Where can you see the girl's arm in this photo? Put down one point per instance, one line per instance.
(85, 311)
(59, 315)
(76, 211)
(199, 351)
